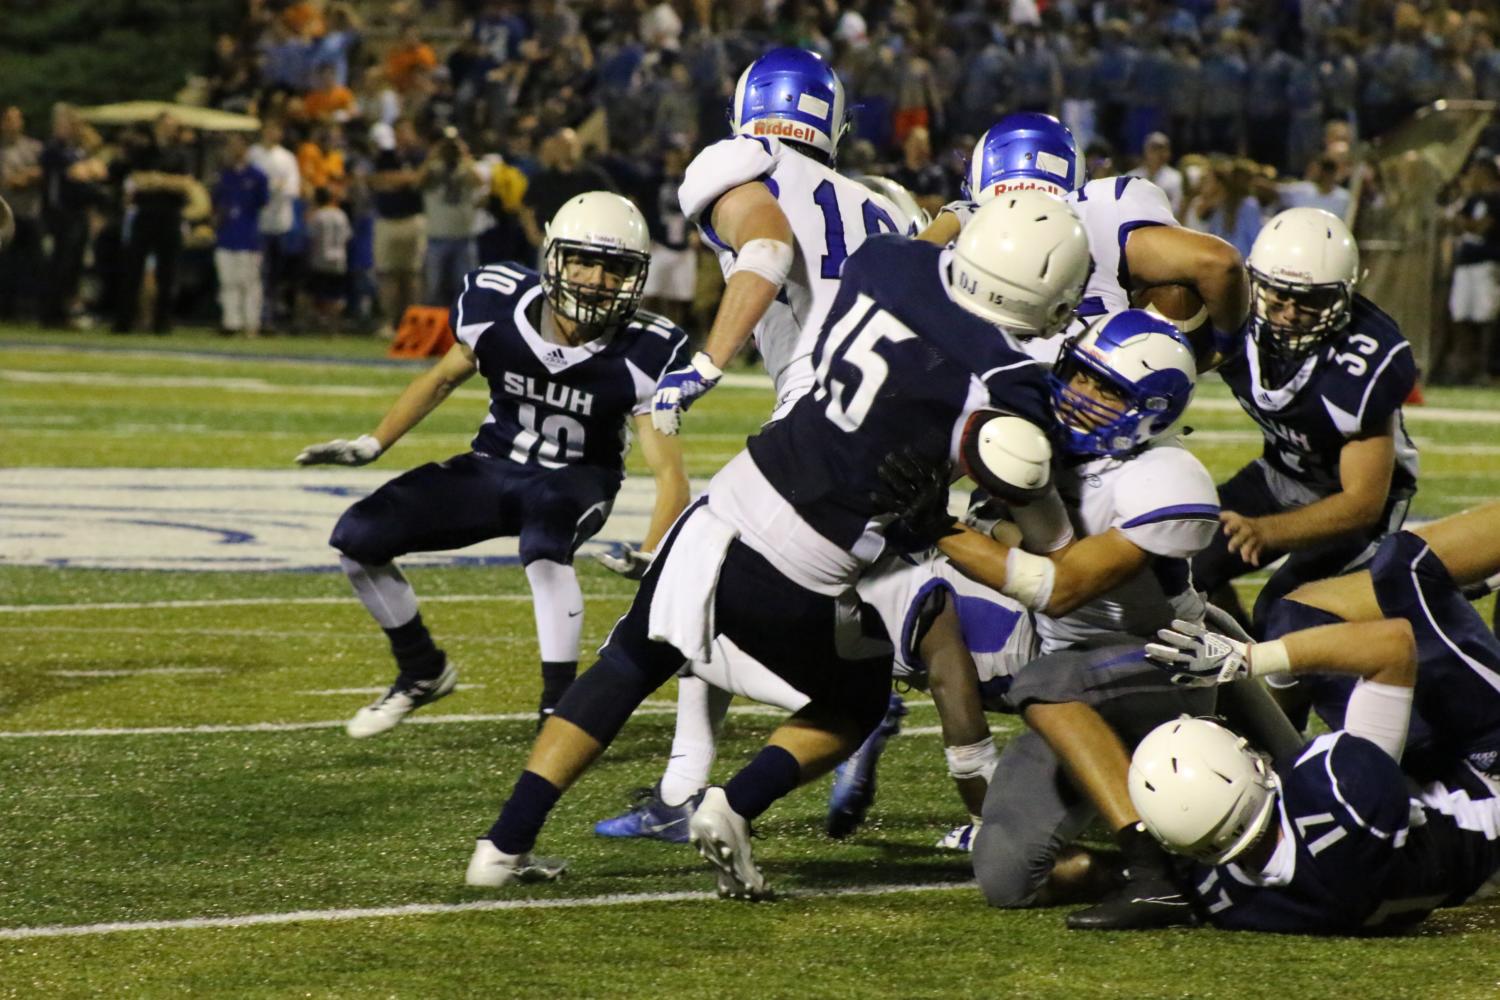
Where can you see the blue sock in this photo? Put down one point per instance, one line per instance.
(523, 814)
(417, 656)
(772, 774)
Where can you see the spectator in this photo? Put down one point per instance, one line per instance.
(1111, 84)
(919, 175)
(1038, 72)
(672, 281)
(1150, 83)
(1184, 99)
(1267, 105)
(320, 161)
(284, 178)
(408, 59)
(1080, 111)
(286, 60)
(400, 228)
(328, 235)
(239, 195)
(1474, 300)
(1225, 75)
(1320, 190)
(158, 181)
(21, 186)
(451, 184)
(328, 100)
(71, 181)
(1224, 205)
(564, 175)
(1156, 167)
(339, 42)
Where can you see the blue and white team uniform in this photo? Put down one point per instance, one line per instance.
(550, 456)
(1162, 499)
(1358, 853)
(1456, 701)
(831, 216)
(770, 556)
(1350, 388)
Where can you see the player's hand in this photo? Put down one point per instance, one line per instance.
(361, 451)
(629, 562)
(679, 388)
(1196, 657)
(915, 490)
(1247, 536)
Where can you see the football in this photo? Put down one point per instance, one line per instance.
(1180, 303)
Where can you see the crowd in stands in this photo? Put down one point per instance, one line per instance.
(401, 143)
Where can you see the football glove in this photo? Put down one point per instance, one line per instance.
(361, 451)
(1196, 657)
(631, 563)
(677, 390)
(915, 490)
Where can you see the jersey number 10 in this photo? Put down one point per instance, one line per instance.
(876, 220)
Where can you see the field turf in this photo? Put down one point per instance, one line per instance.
(181, 813)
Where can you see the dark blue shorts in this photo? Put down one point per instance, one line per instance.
(472, 498)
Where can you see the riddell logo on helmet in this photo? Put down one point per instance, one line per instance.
(785, 129)
(1001, 187)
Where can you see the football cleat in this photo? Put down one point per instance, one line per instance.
(1141, 904)
(404, 697)
(960, 838)
(650, 818)
(491, 868)
(722, 836)
(854, 780)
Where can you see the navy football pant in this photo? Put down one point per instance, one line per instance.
(1247, 493)
(472, 498)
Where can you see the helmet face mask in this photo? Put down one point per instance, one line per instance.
(1290, 321)
(1121, 384)
(594, 286)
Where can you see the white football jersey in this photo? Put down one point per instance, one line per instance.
(830, 217)
(1164, 501)
(1110, 209)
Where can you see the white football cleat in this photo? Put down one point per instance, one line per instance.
(404, 697)
(492, 868)
(960, 838)
(722, 836)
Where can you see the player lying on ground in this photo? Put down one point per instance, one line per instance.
(1324, 373)
(1143, 505)
(769, 557)
(782, 221)
(569, 361)
(1334, 842)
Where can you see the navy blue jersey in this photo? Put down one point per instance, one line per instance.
(552, 405)
(1358, 853)
(1352, 388)
(1343, 815)
(897, 364)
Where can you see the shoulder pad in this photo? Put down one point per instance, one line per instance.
(1165, 502)
(723, 166)
(490, 294)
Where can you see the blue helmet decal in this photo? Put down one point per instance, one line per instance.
(791, 94)
(1025, 150)
(1143, 375)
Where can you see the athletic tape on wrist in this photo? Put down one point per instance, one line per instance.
(771, 259)
(1269, 658)
(1029, 579)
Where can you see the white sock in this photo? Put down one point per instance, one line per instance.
(701, 708)
(383, 591)
(557, 601)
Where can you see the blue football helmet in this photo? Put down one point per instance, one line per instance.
(1022, 152)
(1143, 375)
(791, 94)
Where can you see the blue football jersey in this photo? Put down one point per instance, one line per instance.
(897, 364)
(1344, 814)
(553, 405)
(1353, 387)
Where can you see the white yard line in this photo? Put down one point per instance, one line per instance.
(431, 909)
(322, 692)
(136, 672)
(249, 602)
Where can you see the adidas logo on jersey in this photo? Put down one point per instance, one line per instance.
(785, 129)
(555, 356)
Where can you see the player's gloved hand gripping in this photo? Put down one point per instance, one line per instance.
(678, 389)
(629, 562)
(915, 490)
(1196, 657)
(361, 451)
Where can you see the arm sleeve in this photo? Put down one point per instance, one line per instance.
(1166, 504)
(720, 168)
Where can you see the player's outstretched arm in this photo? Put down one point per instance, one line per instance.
(953, 682)
(1055, 584)
(663, 455)
(421, 396)
(1365, 469)
(1175, 255)
(942, 230)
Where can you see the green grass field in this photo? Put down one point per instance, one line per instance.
(172, 758)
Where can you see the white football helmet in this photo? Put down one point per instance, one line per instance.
(1021, 263)
(597, 229)
(911, 218)
(1201, 790)
(1303, 268)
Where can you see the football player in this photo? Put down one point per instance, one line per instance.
(782, 221)
(769, 556)
(1134, 239)
(570, 362)
(1334, 842)
(1143, 505)
(1324, 373)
